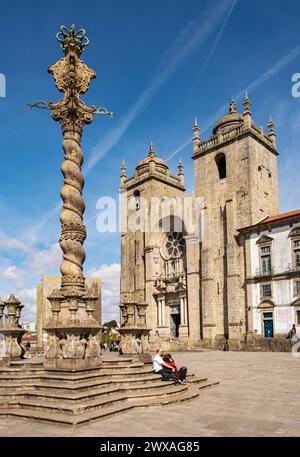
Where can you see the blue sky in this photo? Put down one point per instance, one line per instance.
(159, 64)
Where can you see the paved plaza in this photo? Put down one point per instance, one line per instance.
(258, 395)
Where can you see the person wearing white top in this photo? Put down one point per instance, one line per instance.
(162, 368)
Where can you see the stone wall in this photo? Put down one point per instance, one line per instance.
(276, 344)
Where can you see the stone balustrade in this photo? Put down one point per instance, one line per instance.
(229, 134)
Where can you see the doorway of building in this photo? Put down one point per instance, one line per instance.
(174, 324)
(268, 325)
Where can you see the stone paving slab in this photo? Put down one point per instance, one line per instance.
(258, 395)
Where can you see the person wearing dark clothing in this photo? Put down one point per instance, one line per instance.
(181, 373)
(292, 333)
(164, 369)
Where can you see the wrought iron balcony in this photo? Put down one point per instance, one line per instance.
(267, 272)
(290, 269)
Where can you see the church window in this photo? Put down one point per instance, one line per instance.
(175, 244)
(265, 260)
(221, 164)
(137, 197)
(296, 249)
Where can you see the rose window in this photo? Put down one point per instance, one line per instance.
(175, 244)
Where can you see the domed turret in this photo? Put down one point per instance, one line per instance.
(232, 119)
(152, 162)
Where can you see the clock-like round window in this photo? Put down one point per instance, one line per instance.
(175, 244)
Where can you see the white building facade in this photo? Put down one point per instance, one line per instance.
(273, 275)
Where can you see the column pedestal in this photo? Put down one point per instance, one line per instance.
(135, 342)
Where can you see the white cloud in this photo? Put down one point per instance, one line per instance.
(27, 298)
(43, 261)
(8, 244)
(11, 272)
(22, 282)
(110, 276)
(32, 234)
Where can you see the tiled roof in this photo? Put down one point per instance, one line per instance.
(276, 217)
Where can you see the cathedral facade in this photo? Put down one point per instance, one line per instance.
(191, 279)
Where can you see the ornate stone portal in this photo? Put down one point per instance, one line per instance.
(10, 329)
(72, 329)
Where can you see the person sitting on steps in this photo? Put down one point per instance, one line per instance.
(181, 373)
(164, 369)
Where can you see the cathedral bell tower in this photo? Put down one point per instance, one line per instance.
(236, 174)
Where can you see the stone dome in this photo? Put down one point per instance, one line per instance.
(232, 119)
(143, 165)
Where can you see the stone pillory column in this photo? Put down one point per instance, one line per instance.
(72, 329)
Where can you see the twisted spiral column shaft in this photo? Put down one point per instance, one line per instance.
(71, 217)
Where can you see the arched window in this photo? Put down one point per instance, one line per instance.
(137, 197)
(221, 164)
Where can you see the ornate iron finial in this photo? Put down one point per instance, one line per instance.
(72, 41)
(39, 104)
(72, 77)
(103, 111)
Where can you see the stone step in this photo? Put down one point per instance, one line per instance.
(195, 379)
(26, 362)
(100, 373)
(207, 385)
(152, 378)
(157, 392)
(94, 393)
(67, 386)
(68, 419)
(116, 360)
(140, 390)
(63, 407)
(81, 407)
(72, 395)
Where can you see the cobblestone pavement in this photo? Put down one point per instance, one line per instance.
(258, 395)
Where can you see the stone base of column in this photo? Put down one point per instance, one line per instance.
(135, 342)
(10, 346)
(72, 364)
